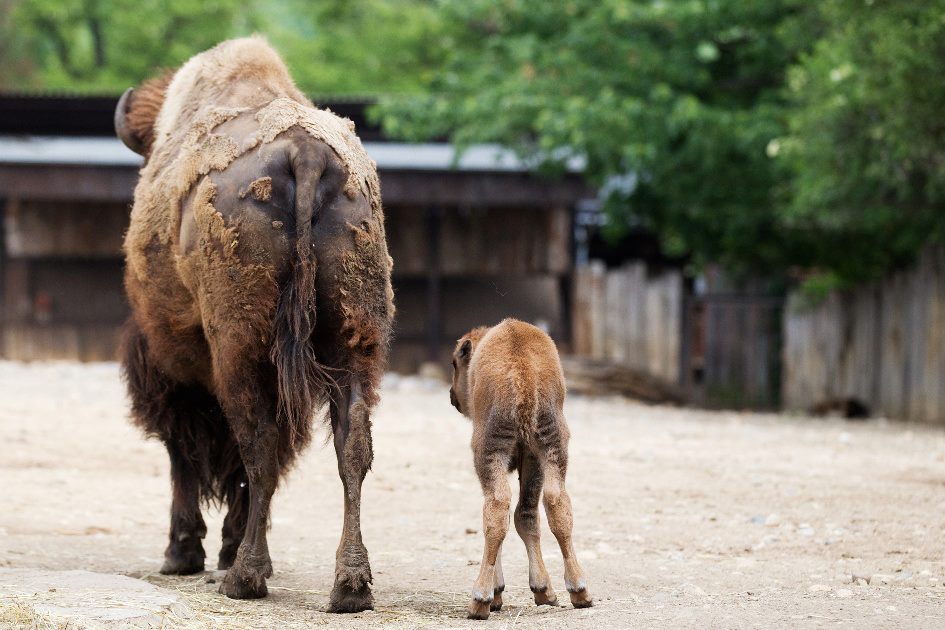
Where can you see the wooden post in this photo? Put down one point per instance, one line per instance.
(15, 283)
(562, 256)
(565, 283)
(3, 273)
(685, 340)
(434, 284)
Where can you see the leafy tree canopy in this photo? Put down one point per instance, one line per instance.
(769, 136)
(682, 96)
(866, 142)
(331, 46)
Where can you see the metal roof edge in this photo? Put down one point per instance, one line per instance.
(110, 152)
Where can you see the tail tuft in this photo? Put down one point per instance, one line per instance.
(301, 379)
(297, 369)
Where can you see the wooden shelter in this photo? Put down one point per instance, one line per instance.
(473, 239)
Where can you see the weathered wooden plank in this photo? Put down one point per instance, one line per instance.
(614, 349)
(630, 319)
(17, 301)
(485, 241)
(669, 294)
(580, 311)
(742, 341)
(635, 317)
(558, 247)
(498, 241)
(598, 306)
(936, 343)
(407, 240)
(36, 229)
(882, 344)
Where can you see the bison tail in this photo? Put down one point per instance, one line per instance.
(301, 379)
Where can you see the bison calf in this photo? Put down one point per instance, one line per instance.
(507, 379)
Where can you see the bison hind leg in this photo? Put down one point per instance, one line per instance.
(235, 487)
(188, 420)
(184, 554)
(351, 427)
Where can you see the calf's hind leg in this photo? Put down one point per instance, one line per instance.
(499, 587)
(351, 426)
(558, 509)
(527, 524)
(492, 469)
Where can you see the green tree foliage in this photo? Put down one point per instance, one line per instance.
(866, 147)
(770, 136)
(685, 95)
(331, 46)
(360, 47)
(106, 45)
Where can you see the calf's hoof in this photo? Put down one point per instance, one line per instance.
(244, 585)
(545, 596)
(479, 609)
(581, 598)
(496, 604)
(183, 560)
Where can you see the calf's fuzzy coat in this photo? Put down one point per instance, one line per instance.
(508, 380)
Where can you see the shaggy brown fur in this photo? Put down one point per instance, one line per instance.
(259, 281)
(508, 380)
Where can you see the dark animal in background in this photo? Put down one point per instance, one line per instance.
(259, 282)
(850, 408)
(508, 380)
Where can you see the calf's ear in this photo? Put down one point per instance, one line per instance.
(465, 350)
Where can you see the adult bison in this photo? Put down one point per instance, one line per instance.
(259, 282)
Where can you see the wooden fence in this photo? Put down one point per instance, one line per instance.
(882, 344)
(717, 349)
(629, 317)
(739, 365)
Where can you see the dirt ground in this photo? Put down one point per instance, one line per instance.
(683, 518)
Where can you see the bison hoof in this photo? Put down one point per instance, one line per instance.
(352, 591)
(479, 609)
(581, 599)
(344, 599)
(237, 585)
(181, 560)
(227, 556)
